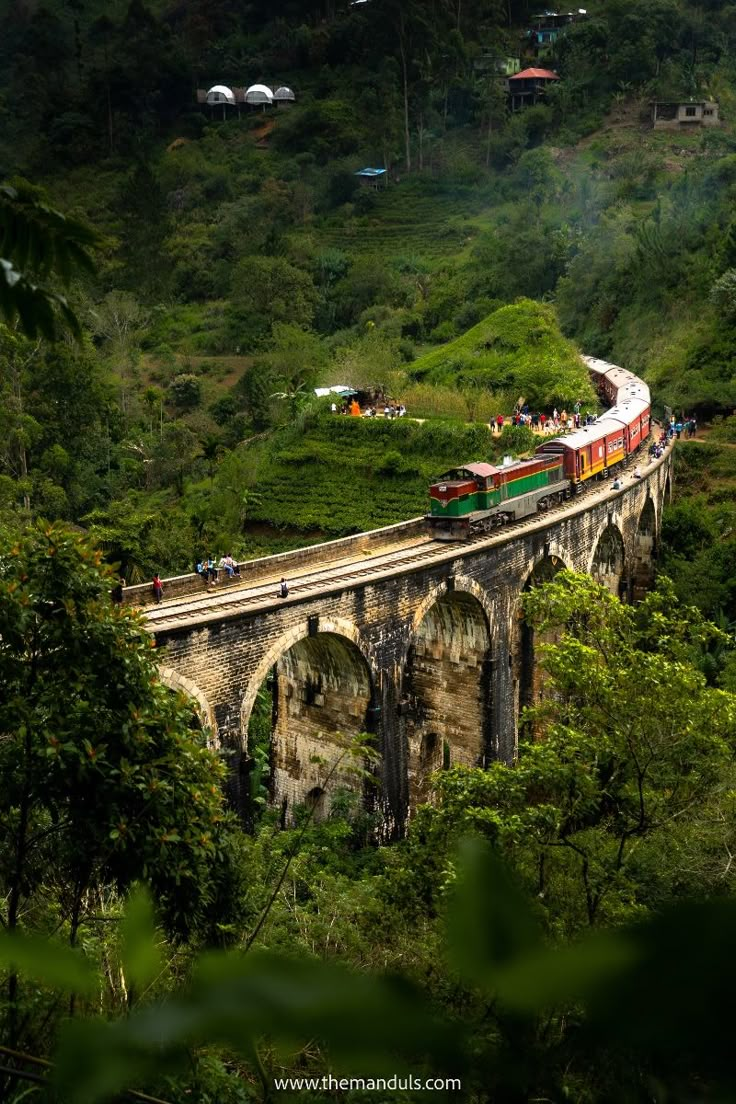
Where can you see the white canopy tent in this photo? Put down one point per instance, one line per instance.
(340, 389)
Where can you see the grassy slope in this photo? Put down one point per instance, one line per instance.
(347, 474)
(517, 347)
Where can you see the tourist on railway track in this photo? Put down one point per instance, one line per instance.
(158, 589)
(283, 589)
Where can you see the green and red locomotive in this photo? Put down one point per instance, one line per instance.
(481, 497)
(476, 498)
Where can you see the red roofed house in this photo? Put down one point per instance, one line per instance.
(527, 86)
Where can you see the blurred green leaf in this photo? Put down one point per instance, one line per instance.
(368, 1024)
(490, 923)
(141, 956)
(50, 963)
(559, 974)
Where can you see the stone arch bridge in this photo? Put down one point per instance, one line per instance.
(417, 641)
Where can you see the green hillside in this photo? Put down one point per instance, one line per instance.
(241, 263)
(176, 280)
(517, 350)
(342, 474)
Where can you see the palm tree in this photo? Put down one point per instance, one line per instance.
(294, 394)
(39, 245)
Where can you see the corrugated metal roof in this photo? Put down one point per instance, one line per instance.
(532, 74)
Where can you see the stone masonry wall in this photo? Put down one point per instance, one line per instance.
(460, 662)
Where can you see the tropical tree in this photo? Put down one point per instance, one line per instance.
(624, 797)
(105, 779)
(38, 246)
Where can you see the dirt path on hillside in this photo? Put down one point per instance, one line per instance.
(702, 438)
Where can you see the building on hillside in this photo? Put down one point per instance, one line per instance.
(681, 114)
(283, 96)
(256, 95)
(373, 178)
(528, 86)
(259, 95)
(219, 96)
(220, 93)
(546, 27)
(500, 65)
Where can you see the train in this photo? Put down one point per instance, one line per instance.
(479, 497)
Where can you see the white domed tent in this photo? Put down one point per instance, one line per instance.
(258, 94)
(220, 94)
(284, 96)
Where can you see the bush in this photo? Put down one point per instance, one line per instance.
(394, 464)
(185, 391)
(224, 410)
(517, 439)
(444, 332)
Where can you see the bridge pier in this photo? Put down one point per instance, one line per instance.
(427, 649)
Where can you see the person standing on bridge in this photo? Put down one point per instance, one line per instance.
(283, 589)
(158, 589)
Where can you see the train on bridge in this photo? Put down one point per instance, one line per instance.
(479, 497)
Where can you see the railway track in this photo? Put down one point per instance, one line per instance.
(342, 574)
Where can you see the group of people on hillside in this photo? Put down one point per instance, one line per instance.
(538, 421)
(352, 408)
(688, 426)
(389, 410)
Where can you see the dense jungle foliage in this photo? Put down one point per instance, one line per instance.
(559, 929)
(239, 262)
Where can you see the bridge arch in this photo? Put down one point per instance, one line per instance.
(608, 560)
(645, 550)
(528, 675)
(447, 684)
(323, 688)
(667, 494)
(204, 712)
